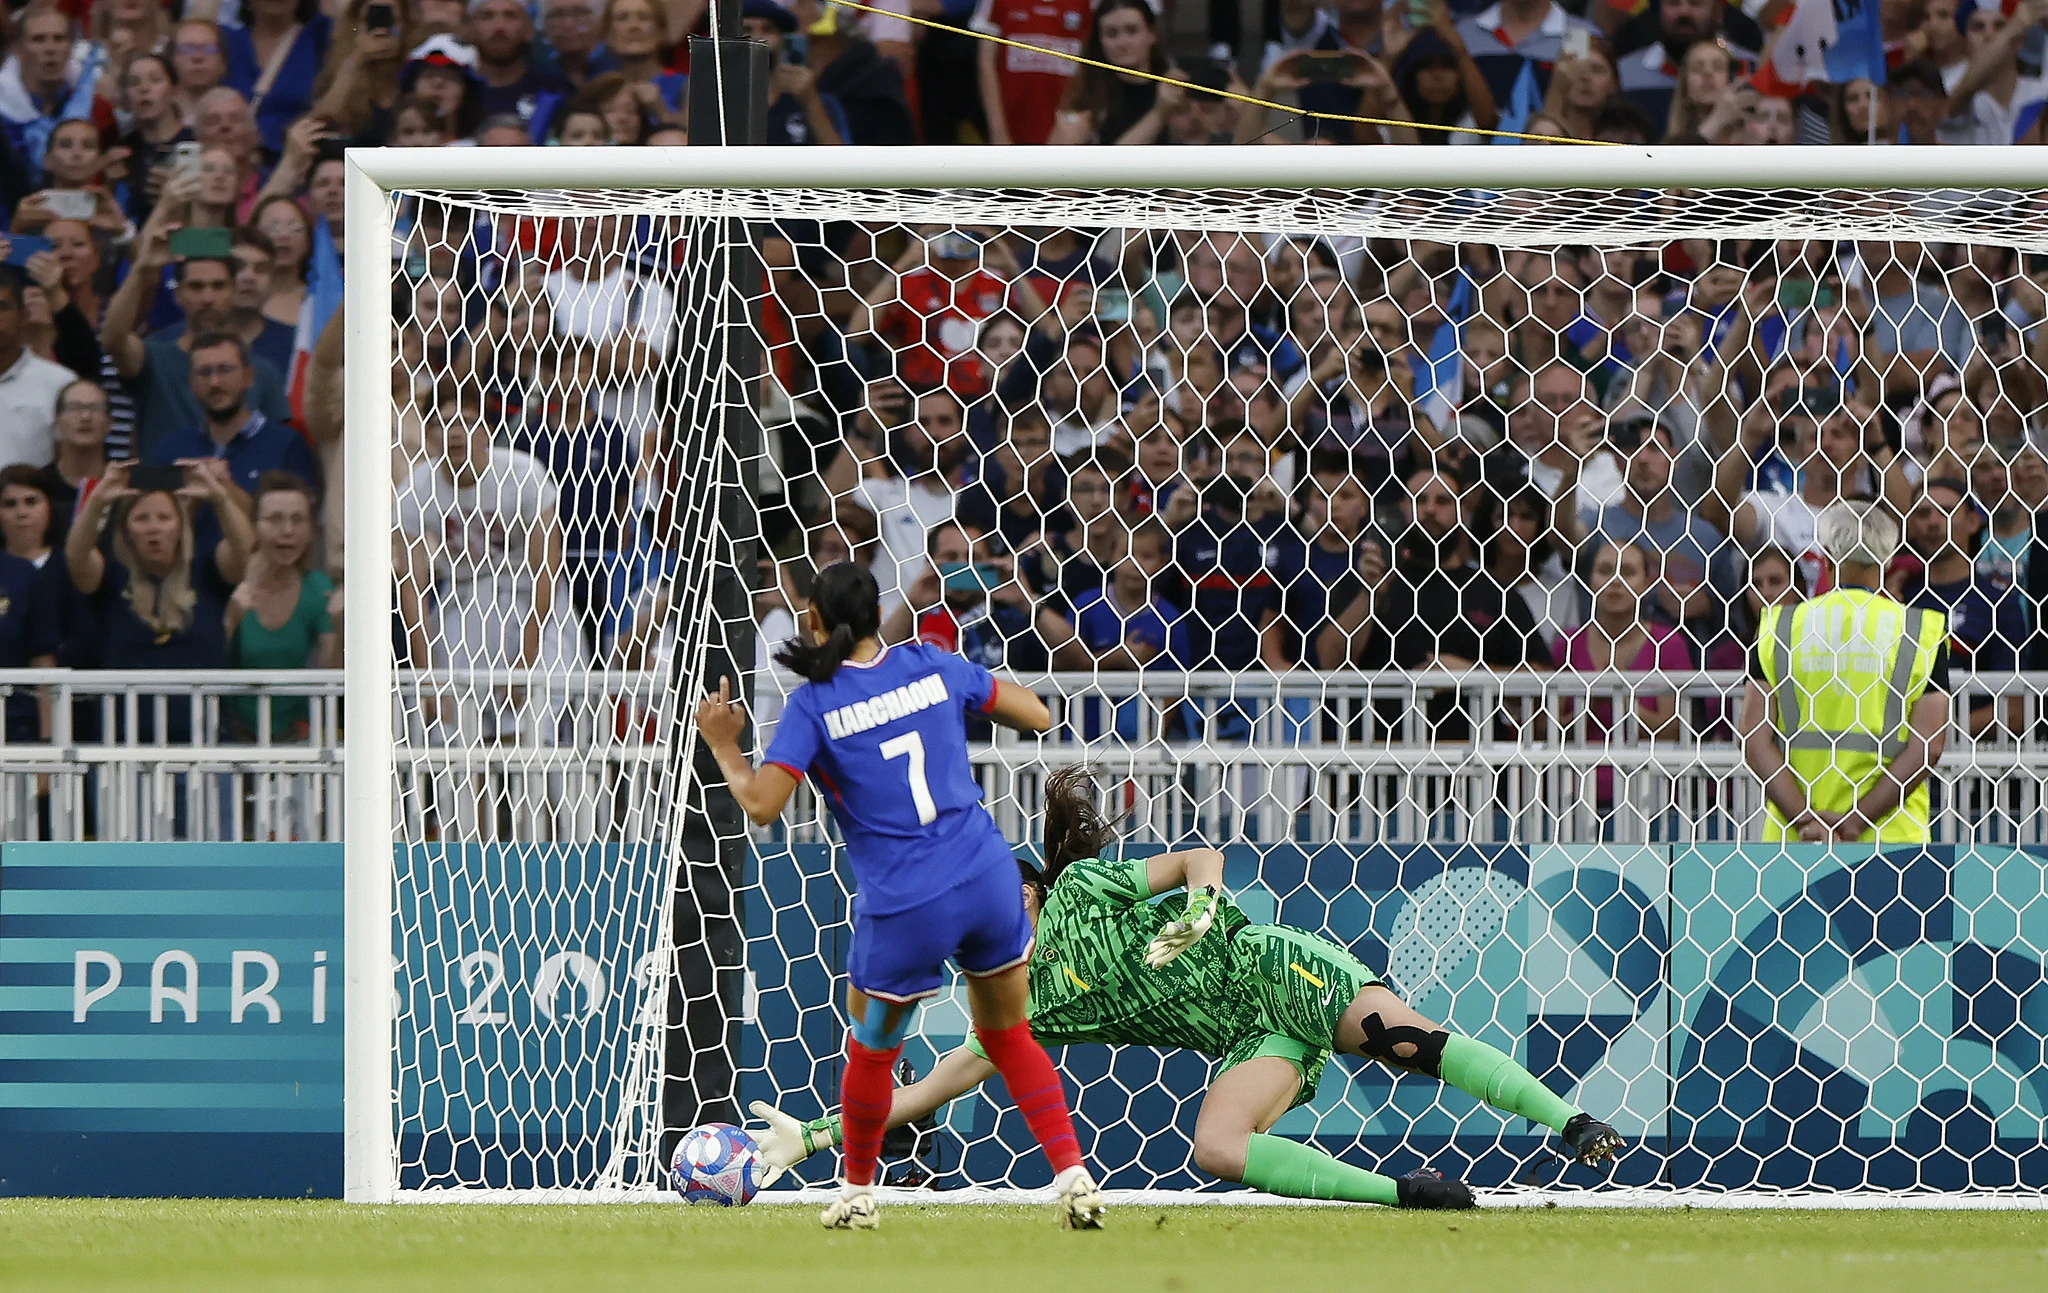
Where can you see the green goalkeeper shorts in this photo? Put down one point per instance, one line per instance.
(1298, 987)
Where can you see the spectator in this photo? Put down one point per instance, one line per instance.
(163, 369)
(479, 551)
(28, 525)
(284, 223)
(1920, 96)
(797, 112)
(72, 166)
(1554, 444)
(503, 31)
(129, 30)
(1224, 552)
(1439, 82)
(1650, 516)
(418, 123)
(1432, 606)
(1021, 90)
(582, 128)
(1987, 621)
(230, 430)
(442, 71)
(277, 55)
(1991, 93)
(39, 87)
(1652, 46)
(82, 425)
(156, 124)
(926, 308)
(1773, 579)
(590, 461)
(24, 632)
(1512, 34)
(284, 614)
(254, 258)
(1860, 113)
(1125, 624)
(1918, 323)
(158, 596)
(201, 62)
(1329, 548)
(1707, 102)
(358, 87)
(1526, 566)
(631, 109)
(920, 463)
(1101, 107)
(1354, 406)
(1620, 636)
(636, 34)
(571, 27)
(1580, 86)
(869, 83)
(967, 598)
(1083, 540)
(1019, 487)
(28, 383)
(1832, 468)
(601, 296)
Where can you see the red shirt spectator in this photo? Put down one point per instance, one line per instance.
(931, 325)
(1029, 84)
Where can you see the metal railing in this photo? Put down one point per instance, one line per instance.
(1302, 757)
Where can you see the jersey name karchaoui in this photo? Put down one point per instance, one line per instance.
(1089, 980)
(887, 743)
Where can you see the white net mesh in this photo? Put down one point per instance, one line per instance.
(1412, 544)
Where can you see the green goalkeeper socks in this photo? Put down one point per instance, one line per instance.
(1479, 1070)
(1297, 1171)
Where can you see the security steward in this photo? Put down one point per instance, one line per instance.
(1846, 711)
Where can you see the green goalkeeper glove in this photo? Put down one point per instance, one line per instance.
(1182, 934)
(788, 1142)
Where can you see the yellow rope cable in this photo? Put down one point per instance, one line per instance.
(1221, 94)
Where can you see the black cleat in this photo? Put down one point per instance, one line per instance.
(1425, 1187)
(1590, 1140)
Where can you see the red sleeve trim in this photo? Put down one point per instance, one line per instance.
(989, 706)
(777, 763)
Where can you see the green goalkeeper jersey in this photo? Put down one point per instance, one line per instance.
(1089, 981)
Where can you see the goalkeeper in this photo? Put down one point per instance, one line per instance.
(1191, 972)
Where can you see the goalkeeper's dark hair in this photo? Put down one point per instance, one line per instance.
(1074, 826)
(847, 605)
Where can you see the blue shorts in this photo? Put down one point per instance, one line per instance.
(980, 925)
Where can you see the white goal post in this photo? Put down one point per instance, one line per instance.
(488, 796)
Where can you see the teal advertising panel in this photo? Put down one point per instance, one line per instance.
(170, 1019)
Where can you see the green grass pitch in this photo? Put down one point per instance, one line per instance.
(224, 1247)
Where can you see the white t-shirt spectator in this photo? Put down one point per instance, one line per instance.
(477, 539)
(1787, 521)
(905, 511)
(621, 303)
(1992, 122)
(28, 408)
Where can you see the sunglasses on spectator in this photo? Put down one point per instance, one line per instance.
(195, 51)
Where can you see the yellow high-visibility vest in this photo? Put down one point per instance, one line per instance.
(1843, 672)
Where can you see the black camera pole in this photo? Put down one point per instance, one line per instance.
(728, 106)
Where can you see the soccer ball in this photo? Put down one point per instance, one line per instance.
(716, 1163)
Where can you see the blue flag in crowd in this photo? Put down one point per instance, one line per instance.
(1858, 48)
(1524, 102)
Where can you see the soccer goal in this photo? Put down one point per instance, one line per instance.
(1286, 474)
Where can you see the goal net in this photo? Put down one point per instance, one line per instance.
(1403, 527)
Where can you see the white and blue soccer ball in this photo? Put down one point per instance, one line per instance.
(716, 1163)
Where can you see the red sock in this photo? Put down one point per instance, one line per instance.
(864, 1095)
(1035, 1087)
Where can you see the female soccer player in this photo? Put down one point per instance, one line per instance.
(1271, 1001)
(883, 729)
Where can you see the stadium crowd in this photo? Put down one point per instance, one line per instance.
(1056, 448)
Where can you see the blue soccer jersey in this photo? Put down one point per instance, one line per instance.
(887, 743)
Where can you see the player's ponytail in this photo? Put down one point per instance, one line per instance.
(847, 606)
(1074, 826)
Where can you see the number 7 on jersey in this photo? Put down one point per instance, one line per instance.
(911, 745)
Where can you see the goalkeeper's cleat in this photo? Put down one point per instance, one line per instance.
(854, 1209)
(1590, 1140)
(1425, 1187)
(1080, 1200)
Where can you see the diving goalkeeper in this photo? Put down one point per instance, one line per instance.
(1193, 973)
